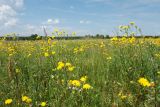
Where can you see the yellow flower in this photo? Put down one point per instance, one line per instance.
(8, 101)
(87, 86)
(24, 98)
(43, 104)
(71, 68)
(28, 100)
(18, 70)
(81, 49)
(83, 79)
(114, 39)
(132, 23)
(75, 83)
(46, 54)
(123, 97)
(68, 64)
(132, 40)
(53, 52)
(60, 65)
(144, 82)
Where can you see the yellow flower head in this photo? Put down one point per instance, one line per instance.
(71, 68)
(53, 52)
(24, 98)
(132, 23)
(75, 83)
(18, 70)
(43, 104)
(68, 64)
(114, 39)
(123, 97)
(8, 101)
(87, 86)
(60, 65)
(144, 82)
(46, 54)
(83, 79)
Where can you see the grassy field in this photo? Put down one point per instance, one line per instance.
(117, 72)
(94, 73)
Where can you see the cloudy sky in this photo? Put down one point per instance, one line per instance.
(82, 16)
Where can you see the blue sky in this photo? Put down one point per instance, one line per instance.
(82, 16)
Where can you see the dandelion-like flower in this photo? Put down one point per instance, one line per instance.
(24, 98)
(8, 101)
(43, 104)
(75, 83)
(83, 79)
(46, 54)
(71, 68)
(60, 65)
(87, 86)
(144, 82)
(132, 23)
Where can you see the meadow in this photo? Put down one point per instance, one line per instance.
(116, 72)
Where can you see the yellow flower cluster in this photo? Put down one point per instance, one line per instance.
(144, 82)
(75, 83)
(26, 99)
(87, 86)
(46, 54)
(67, 66)
(102, 45)
(80, 49)
(83, 79)
(157, 55)
(81, 82)
(123, 40)
(60, 66)
(11, 51)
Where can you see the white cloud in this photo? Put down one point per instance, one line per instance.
(13, 3)
(81, 22)
(18, 3)
(49, 20)
(7, 15)
(84, 22)
(9, 11)
(11, 22)
(53, 21)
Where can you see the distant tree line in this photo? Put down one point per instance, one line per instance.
(97, 36)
